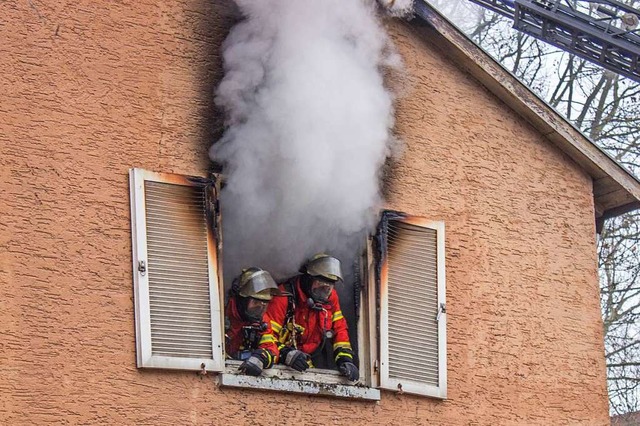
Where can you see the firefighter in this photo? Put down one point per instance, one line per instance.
(245, 339)
(309, 318)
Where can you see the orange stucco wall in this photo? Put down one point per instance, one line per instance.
(90, 89)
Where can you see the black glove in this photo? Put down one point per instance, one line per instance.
(253, 365)
(349, 370)
(294, 358)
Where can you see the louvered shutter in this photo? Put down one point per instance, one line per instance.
(177, 296)
(412, 308)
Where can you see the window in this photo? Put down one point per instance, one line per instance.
(179, 295)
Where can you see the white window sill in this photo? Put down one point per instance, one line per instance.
(284, 379)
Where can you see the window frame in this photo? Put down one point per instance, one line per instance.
(372, 327)
(144, 356)
(323, 381)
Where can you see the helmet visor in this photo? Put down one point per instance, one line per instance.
(259, 285)
(327, 267)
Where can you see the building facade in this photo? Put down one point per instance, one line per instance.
(91, 90)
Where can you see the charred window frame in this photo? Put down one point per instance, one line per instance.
(320, 381)
(179, 295)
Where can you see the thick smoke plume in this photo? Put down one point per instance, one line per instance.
(308, 128)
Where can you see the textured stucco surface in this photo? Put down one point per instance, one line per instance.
(90, 89)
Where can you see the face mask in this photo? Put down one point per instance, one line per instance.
(255, 309)
(320, 291)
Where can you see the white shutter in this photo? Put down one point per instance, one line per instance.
(412, 308)
(175, 269)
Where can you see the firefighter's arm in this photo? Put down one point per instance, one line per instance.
(268, 346)
(342, 350)
(274, 317)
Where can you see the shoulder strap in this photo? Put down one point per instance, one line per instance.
(290, 288)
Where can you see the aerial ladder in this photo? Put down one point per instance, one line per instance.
(605, 32)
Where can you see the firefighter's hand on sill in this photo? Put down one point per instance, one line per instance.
(252, 366)
(295, 359)
(349, 370)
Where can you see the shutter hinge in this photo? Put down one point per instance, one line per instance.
(442, 310)
(376, 366)
(142, 267)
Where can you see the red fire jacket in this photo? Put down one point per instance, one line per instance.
(235, 336)
(312, 323)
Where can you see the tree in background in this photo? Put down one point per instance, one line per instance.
(606, 107)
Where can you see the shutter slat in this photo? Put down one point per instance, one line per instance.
(185, 353)
(178, 270)
(167, 336)
(194, 269)
(411, 288)
(402, 274)
(186, 317)
(168, 282)
(171, 291)
(426, 376)
(409, 341)
(193, 278)
(185, 238)
(411, 263)
(163, 325)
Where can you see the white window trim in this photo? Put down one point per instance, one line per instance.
(284, 379)
(373, 341)
(409, 386)
(144, 357)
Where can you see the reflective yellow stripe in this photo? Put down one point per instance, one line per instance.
(276, 327)
(267, 338)
(337, 316)
(343, 355)
(345, 345)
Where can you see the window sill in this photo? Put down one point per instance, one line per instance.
(284, 379)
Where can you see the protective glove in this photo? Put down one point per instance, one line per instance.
(253, 365)
(349, 370)
(295, 359)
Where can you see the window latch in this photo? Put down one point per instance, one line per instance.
(142, 267)
(442, 310)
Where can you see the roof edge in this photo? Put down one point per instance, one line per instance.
(615, 188)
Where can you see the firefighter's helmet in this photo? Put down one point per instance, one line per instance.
(325, 266)
(257, 283)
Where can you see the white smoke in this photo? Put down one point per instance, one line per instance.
(308, 127)
(398, 8)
